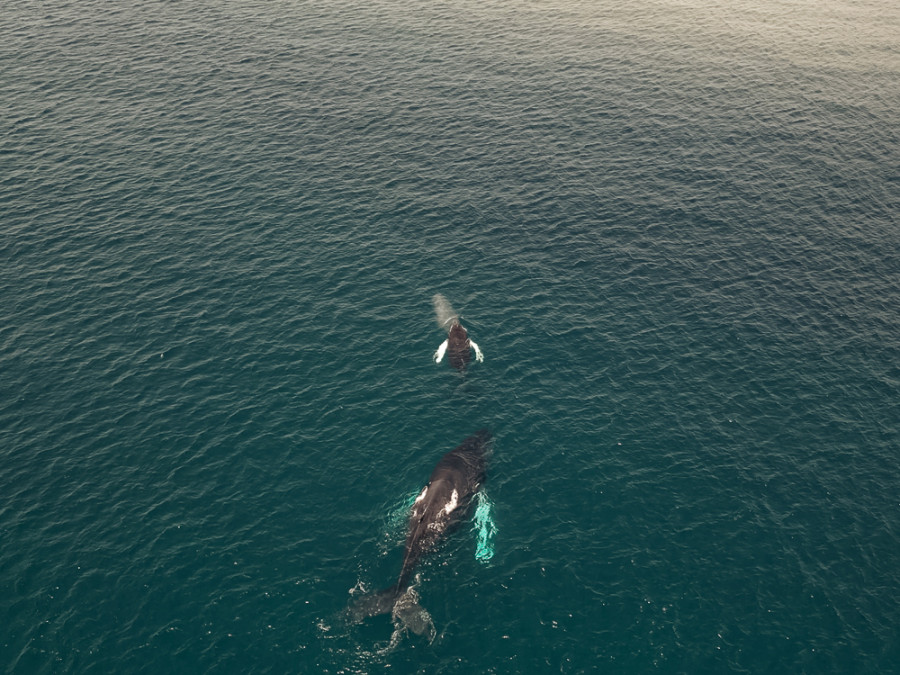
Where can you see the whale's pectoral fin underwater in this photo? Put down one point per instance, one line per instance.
(478, 354)
(439, 354)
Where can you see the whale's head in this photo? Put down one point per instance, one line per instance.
(457, 333)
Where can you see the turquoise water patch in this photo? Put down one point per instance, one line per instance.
(485, 527)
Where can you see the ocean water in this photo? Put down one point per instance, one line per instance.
(671, 227)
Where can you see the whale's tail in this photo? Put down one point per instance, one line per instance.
(374, 604)
(403, 606)
(408, 614)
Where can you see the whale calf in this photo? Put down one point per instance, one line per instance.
(458, 343)
(457, 346)
(440, 506)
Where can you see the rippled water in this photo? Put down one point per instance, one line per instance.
(670, 226)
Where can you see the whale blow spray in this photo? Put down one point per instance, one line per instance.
(443, 312)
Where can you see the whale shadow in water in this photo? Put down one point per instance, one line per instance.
(440, 507)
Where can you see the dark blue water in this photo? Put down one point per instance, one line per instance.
(671, 228)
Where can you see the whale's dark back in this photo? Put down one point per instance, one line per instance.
(454, 480)
(466, 458)
(458, 349)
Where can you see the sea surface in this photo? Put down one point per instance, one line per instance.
(671, 226)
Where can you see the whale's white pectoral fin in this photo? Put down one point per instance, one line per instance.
(478, 355)
(439, 354)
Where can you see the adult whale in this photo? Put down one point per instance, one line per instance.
(440, 506)
(457, 344)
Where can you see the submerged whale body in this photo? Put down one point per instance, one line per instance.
(440, 506)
